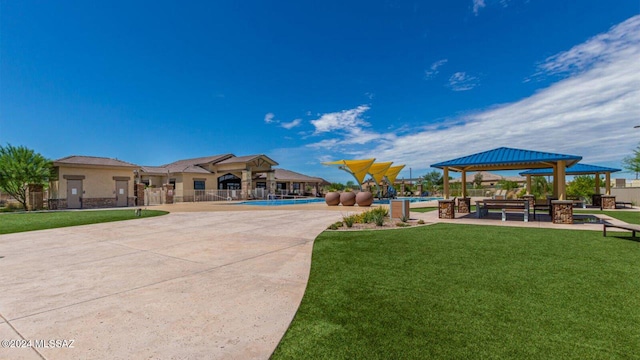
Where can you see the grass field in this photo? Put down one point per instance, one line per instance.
(28, 221)
(467, 292)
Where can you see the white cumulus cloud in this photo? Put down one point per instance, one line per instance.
(346, 119)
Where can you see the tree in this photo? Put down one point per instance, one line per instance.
(19, 167)
(582, 186)
(540, 187)
(477, 180)
(432, 180)
(632, 163)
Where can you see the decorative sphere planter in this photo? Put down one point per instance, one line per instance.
(348, 198)
(364, 198)
(332, 198)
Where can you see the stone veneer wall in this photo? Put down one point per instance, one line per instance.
(170, 193)
(464, 205)
(446, 209)
(562, 212)
(608, 202)
(138, 193)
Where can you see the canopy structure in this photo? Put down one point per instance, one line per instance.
(393, 172)
(510, 159)
(357, 168)
(577, 169)
(378, 171)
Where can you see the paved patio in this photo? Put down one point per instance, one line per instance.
(198, 285)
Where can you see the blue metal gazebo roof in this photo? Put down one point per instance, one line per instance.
(507, 159)
(577, 169)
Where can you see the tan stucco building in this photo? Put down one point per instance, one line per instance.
(97, 182)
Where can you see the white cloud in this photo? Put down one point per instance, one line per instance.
(268, 118)
(460, 81)
(601, 48)
(477, 5)
(346, 119)
(590, 113)
(292, 124)
(433, 69)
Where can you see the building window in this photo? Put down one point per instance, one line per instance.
(198, 184)
(229, 182)
(261, 185)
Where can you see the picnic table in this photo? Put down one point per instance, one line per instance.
(518, 205)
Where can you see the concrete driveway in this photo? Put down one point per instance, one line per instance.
(198, 285)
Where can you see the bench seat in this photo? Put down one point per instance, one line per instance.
(629, 227)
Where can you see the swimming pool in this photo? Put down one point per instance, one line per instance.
(280, 202)
(411, 199)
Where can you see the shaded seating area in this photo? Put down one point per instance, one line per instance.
(520, 205)
(505, 158)
(604, 201)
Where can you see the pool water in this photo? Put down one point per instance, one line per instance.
(411, 199)
(280, 202)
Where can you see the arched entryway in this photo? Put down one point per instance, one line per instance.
(229, 182)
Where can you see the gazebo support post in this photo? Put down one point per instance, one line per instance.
(528, 184)
(446, 207)
(445, 178)
(555, 181)
(464, 203)
(608, 201)
(562, 182)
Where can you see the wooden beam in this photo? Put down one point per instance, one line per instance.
(528, 184)
(597, 190)
(608, 184)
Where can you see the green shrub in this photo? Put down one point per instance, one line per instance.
(402, 224)
(404, 218)
(349, 220)
(378, 218)
(421, 222)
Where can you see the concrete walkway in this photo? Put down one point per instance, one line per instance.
(198, 285)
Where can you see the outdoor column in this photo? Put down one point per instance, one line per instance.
(555, 181)
(597, 184)
(445, 178)
(271, 182)
(463, 194)
(528, 184)
(562, 183)
(246, 184)
(608, 184)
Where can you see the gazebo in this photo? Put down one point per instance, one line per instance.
(505, 158)
(606, 201)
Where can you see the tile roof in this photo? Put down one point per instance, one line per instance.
(507, 157)
(577, 169)
(198, 161)
(92, 160)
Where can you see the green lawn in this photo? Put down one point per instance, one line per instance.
(28, 221)
(467, 292)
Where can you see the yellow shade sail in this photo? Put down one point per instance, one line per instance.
(357, 168)
(393, 172)
(378, 171)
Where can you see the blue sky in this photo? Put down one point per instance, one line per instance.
(303, 82)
